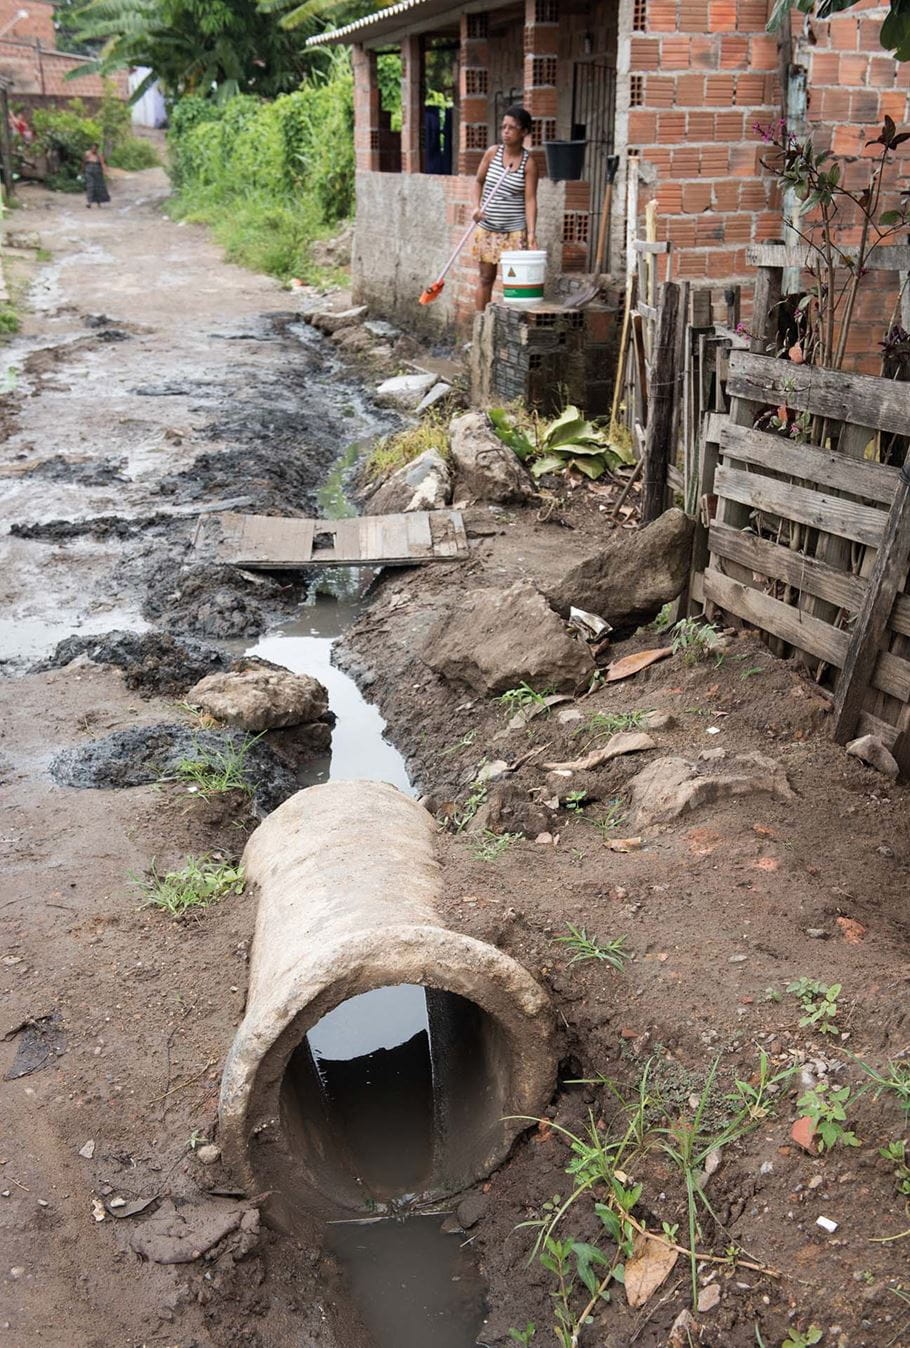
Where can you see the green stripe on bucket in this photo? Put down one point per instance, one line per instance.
(516, 292)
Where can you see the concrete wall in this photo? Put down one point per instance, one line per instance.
(406, 226)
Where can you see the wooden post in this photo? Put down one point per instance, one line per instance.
(663, 403)
(888, 576)
(6, 144)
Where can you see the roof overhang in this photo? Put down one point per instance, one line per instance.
(401, 20)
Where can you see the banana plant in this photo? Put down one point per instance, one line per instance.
(570, 441)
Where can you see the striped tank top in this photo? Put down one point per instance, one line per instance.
(506, 212)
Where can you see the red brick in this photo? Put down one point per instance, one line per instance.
(660, 91)
(671, 127)
(661, 16)
(669, 198)
(730, 126)
(686, 162)
(865, 106)
(739, 228)
(768, 225)
(675, 53)
(734, 52)
(691, 264)
(844, 31)
(752, 15)
(719, 91)
(541, 102)
(644, 53)
(642, 126)
(881, 72)
(696, 197)
(681, 231)
(753, 196)
(701, 125)
(750, 90)
(690, 91)
(715, 160)
(763, 54)
(824, 68)
(831, 105)
(870, 31)
(744, 160)
(693, 16)
(704, 52)
(659, 156)
(852, 69)
(722, 16)
(847, 140)
(894, 104)
(709, 231)
(726, 196)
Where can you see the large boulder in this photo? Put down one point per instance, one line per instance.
(631, 576)
(261, 698)
(485, 470)
(423, 484)
(496, 639)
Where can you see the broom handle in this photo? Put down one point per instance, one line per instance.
(470, 229)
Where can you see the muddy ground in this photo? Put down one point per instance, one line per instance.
(111, 448)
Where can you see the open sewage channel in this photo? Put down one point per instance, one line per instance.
(387, 1065)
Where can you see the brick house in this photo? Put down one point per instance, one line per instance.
(34, 70)
(681, 82)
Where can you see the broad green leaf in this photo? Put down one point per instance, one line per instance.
(592, 468)
(549, 463)
(509, 434)
(567, 433)
(585, 1257)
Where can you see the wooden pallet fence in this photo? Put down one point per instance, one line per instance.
(769, 509)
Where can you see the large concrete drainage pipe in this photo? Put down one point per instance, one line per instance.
(326, 1118)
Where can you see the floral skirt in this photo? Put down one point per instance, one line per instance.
(489, 245)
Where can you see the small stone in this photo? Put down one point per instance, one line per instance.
(88, 1149)
(470, 1210)
(712, 1162)
(803, 1133)
(885, 851)
(818, 933)
(826, 1224)
(766, 1167)
(16, 1272)
(815, 1182)
(43, 1203)
(657, 720)
(208, 1154)
(738, 959)
(708, 1298)
(873, 751)
(545, 839)
(99, 1212)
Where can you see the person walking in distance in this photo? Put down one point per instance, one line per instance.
(505, 201)
(93, 167)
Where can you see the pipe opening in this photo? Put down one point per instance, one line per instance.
(394, 1093)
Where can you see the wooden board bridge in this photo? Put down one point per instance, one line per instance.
(276, 542)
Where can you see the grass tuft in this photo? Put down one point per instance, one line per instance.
(211, 771)
(394, 451)
(201, 882)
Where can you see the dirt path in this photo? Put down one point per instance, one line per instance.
(152, 379)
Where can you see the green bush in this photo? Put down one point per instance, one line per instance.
(268, 176)
(134, 154)
(64, 135)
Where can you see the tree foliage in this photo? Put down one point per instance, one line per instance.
(895, 31)
(209, 47)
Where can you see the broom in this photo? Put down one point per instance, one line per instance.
(433, 291)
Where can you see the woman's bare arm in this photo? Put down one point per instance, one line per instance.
(479, 180)
(531, 177)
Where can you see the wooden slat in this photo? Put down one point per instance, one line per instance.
(873, 481)
(276, 542)
(890, 257)
(892, 676)
(803, 573)
(900, 617)
(781, 620)
(860, 398)
(646, 246)
(647, 311)
(873, 725)
(834, 514)
(888, 575)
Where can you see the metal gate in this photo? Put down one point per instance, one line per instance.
(593, 120)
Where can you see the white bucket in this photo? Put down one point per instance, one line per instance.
(523, 275)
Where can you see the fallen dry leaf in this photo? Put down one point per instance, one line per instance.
(624, 844)
(624, 742)
(632, 664)
(852, 931)
(685, 1331)
(803, 1133)
(649, 1266)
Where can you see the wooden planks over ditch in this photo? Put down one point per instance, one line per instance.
(276, 543)
(811, 542)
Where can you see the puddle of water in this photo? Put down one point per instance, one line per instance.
(413, 1284)
(305, 647)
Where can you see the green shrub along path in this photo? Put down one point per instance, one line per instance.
(269, 177)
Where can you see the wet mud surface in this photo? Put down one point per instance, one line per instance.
(152, 662)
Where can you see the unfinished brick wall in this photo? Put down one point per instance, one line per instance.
(852, 85)
(702, 73)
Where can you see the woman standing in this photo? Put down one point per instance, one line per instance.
(506, 214)
(93, 167)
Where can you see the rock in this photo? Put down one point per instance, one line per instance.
(470, 1210)
(378, 327)
(708, 1298)
(669, 787)
(208, 1154)
(87, 1150)
(260, 698)
(485, 470)
(623, 742)
(329, 322)
(657, 720)
(496, 639)
(352, 339)
(180, 1235)
(436, 394)
(628, 580)
(803, 1133)
(423, 484)
(873, 751)
(405, 390)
